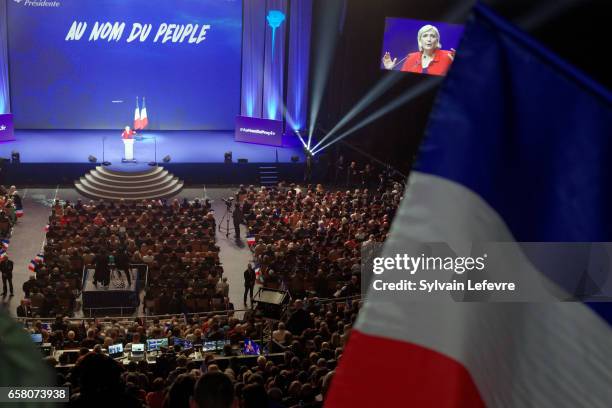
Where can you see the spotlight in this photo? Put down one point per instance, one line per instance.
(15, 157)
(92, 159)
(228, 157)
(295, 159)
(410, 94)
(167, 159)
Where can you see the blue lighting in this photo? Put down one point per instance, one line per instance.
(272, 107)
(249, 106)
(275, 19)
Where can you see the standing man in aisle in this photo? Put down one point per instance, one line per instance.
(238, 219)
(249, 283)
(6, 267)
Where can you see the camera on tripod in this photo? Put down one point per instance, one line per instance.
(228, 202)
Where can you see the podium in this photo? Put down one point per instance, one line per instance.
(128, 155)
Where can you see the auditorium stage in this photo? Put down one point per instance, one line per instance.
(61, 156)
(75, 146)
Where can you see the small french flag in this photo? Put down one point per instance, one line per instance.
(250, 241)
(3, 255)
(5, 243)
(39, 258)
(32, 266)
(19, 213)
(258, 275)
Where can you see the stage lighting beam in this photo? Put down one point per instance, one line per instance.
(390, 79)
(409, 95)
(297, 132)
(324, 45)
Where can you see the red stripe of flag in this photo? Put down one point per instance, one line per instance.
(400, 375)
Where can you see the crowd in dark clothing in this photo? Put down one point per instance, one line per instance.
(10, 203)
(309, 240)
(310, 339)
(176, 240)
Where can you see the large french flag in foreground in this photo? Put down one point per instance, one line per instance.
(518, 148)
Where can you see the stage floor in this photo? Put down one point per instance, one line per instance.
(75, 146)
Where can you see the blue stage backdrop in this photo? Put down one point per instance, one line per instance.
(70, 70)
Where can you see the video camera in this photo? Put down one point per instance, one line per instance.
(228, 201)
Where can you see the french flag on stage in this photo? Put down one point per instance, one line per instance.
(251, 241)
(137, 120)
(5, 243)
(144, 120)
(39, 258)
(517, 149)
(19, 212)
(3, 255)
(32, 266)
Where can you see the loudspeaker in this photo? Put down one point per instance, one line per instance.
(167, 159)
(243, 161)
(92, 159)
(271, 302)
(295, 159)
(15, 157)
(227, 157)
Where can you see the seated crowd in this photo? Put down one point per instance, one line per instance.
(308, 342)
(309, 240)
(10, 204)
(176, 240)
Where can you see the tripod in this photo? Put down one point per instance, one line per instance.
(226, 217)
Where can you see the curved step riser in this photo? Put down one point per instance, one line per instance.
(134, 187)
(89, 194)
(110, 190)
(102, 183)
(121, 179)
(108, 170)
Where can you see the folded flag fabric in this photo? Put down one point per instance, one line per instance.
(19, 213)
(137, 120)
(39, 258)
(32, 266)
(250, 241)
(3, 255)
(5, 243)
(517, 150)
(144, 119)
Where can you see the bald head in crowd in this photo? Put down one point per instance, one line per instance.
(213, 390)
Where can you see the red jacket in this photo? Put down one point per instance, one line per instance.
(440, 64)
(128, 135)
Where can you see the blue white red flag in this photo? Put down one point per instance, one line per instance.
(517, 150)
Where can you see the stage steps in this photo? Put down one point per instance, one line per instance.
(268, 175)
(108, 184)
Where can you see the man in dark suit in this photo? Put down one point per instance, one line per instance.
(6, 267)
(238, 218)
(249, 283)
(102, 273)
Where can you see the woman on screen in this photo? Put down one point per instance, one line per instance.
(430, 59)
